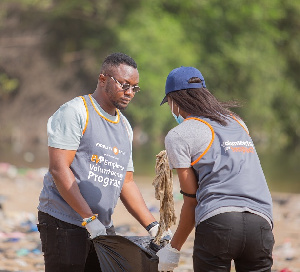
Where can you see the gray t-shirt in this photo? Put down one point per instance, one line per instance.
(188, 142)
(192, 139)
(65, 127)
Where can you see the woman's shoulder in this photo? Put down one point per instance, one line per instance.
(190, 130)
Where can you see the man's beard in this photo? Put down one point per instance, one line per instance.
(117, 104)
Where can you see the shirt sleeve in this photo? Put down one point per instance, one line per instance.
(178, 151)
(65, 126)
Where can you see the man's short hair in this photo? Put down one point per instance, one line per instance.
(115, 59)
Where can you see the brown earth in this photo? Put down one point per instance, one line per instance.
(20, 245)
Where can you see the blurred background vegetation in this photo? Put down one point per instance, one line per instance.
(51, 51)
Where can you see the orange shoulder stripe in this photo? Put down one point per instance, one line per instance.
(96, 109)
(87, 115)
(213, 137)
(239, 123)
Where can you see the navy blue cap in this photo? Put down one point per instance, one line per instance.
(178, 79)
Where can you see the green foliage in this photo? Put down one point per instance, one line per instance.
(241, 57)
(246, 50)
(152, 38)
(7, 85)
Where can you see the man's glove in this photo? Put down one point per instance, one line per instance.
(95, 228)
(152, 230)
(168, 258)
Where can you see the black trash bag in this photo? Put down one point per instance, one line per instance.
(127, 253)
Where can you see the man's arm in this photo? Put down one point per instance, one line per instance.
(189, 185)
(59, 167)
(132, 199)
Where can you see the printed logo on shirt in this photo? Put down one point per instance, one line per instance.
(106, 181)
(106, 172)
(100, 159)
(114, 149)
(238, 146)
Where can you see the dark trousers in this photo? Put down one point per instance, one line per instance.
(66, 247)
(243, 237)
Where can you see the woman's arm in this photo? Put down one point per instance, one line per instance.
(189, 185)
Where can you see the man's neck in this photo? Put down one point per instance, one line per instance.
(111, 110)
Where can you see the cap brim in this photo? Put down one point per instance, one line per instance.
(164, 100)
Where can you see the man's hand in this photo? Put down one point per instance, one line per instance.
(168, 258)
(153, 231)
(95, 228)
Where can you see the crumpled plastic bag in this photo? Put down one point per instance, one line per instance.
(127, 253)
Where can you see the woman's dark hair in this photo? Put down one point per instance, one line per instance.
(201, 102)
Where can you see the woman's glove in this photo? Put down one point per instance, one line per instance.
(168, 258)
(95, 228)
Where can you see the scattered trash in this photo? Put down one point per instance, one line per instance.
(21, 262)
(122, 229)
(29, 226)
(12, 240)
(8, 170)
(26, 251)
(153, 209)
(22, 252)
(20, 246)
(285, 270)
(178, 196)
(36, 251)
(11, 235)
(288, 250)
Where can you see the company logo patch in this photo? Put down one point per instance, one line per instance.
(238, 146)
(115, 150)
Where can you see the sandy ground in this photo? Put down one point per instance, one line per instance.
(19, 240)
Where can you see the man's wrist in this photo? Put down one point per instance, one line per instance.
(154, 223)
(89, 219)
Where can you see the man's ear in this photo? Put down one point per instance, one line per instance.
(101, 78)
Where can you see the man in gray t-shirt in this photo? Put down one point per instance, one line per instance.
(90, 153)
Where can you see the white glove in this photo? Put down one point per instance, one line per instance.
(95, 228)
(153, 231)
(168, 258)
